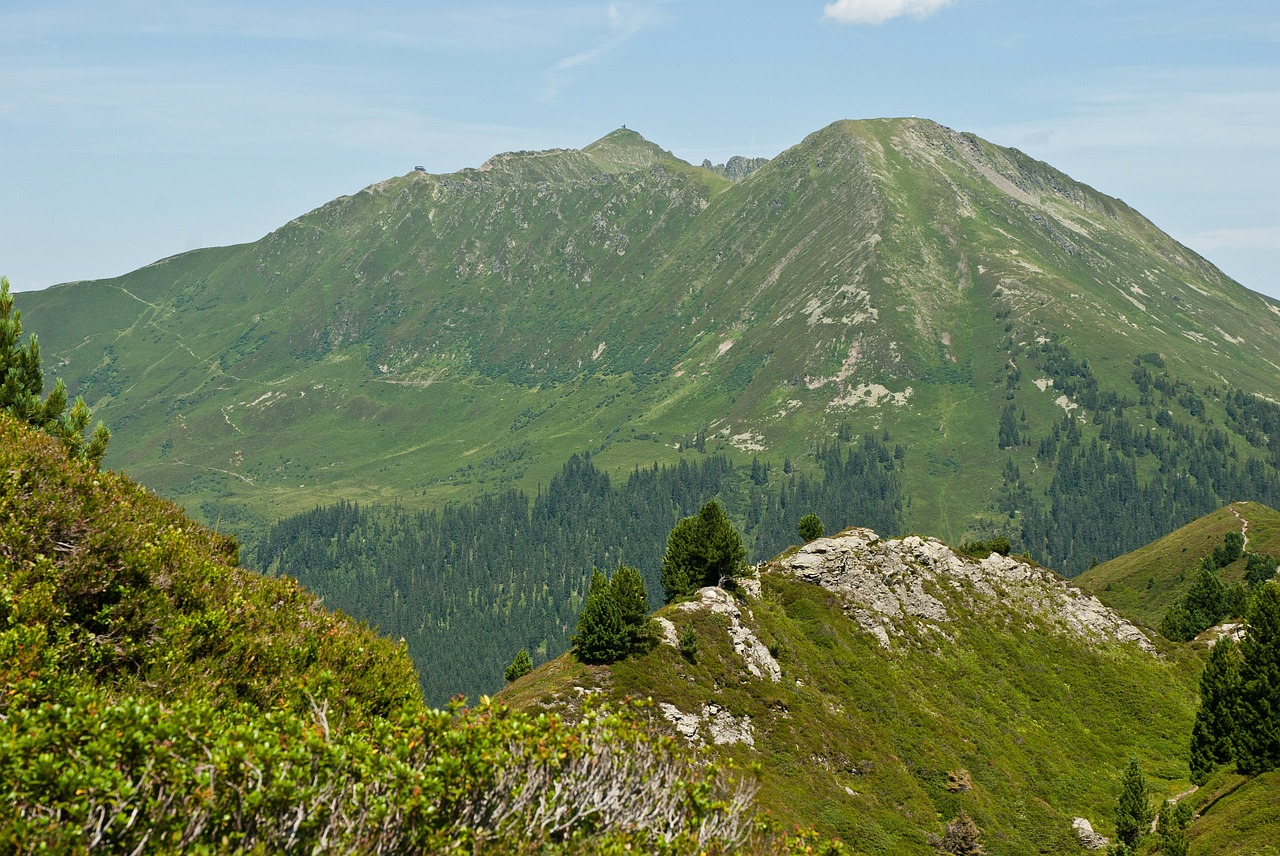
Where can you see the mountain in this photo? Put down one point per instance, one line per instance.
(1022, 337)
(884, 686)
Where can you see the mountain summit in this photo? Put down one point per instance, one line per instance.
(433, 337)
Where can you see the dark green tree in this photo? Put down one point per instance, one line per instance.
(810, 527)
(22, 384)
(689, 643)
(1231, 548)
(1171, 828)
(1177, 624)
(1214, 729)
(1260, 568)
(1008, 429)
(638, 630)
(615, 621)
(1133, 806)
(1257, 742)
(520, 666)
(1206, 602)
(702, 550)
(599, 637)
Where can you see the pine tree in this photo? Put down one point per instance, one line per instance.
(810, 527)
(1260, 568)
(1133, 807)
(1008, 429)
(520, 666)
(1171, 828)
(689, 643)
(1257, 743)
(627, 590)
(1214, 729)
(22, 382)
(702, 550)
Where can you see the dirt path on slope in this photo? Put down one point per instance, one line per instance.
(1244, 526)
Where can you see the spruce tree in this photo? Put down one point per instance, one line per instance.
(1260, 568)
(1257, 743)
(1214, 729)
(1171, 828)
(599, 637)
(520, 666)
(1133, 807)
(810, 527)
(1008, 428)
(628, 593)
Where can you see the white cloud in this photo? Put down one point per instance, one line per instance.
(622, 22)
(879, 11)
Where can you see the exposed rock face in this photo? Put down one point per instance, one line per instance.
(737, 167)
(887, 586)
(754, 653)
(669, 636)
(1234, 632)
(723, 727)
(1089, 839)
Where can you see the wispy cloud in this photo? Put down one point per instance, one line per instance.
(1248, 238)
(622, 21)
(1215, 109)
(879, 11)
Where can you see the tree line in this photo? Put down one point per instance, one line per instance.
(469, 585)
(1122, 485)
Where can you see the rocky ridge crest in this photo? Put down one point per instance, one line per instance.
(890, 586)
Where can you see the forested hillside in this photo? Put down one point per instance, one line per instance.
(471, 584)
(1125, 465)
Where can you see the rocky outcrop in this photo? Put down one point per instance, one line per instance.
(754, 653)
(722, 726)
(1089, 839)
(889, 586)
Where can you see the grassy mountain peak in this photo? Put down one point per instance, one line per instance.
(436, 337)
(624, 150)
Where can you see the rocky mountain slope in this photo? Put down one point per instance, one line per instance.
(886, 685)
(433, 337)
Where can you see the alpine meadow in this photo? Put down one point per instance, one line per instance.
(949, 473)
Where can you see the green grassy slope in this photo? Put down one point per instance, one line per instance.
(1236, 816)
(156, 697)
(1019, 724)
(1142, 585)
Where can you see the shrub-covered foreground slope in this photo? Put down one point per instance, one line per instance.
(885, 686)
(155, 697)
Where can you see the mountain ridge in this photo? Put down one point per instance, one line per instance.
(883, 273)
(885, 685)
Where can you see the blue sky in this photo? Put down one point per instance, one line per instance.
(131, 130)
